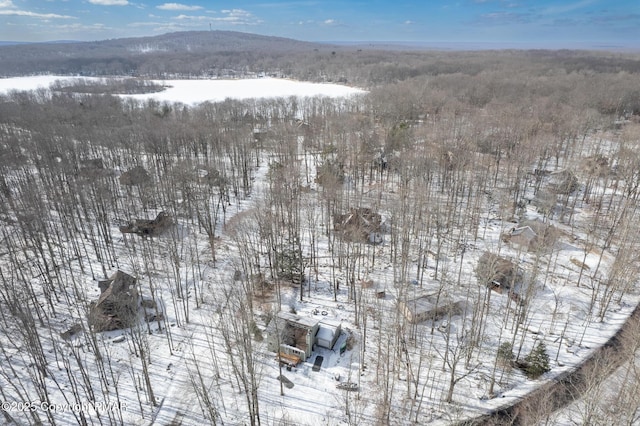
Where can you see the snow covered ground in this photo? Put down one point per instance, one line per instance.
(559, 309)
(197, 91)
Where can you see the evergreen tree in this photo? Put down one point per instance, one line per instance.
(537, 362)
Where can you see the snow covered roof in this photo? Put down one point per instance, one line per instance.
(525, 231)
(328, 333)
(325, 333)
(419, 305)
(428, 306)
(294, 319)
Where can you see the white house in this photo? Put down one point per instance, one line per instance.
(297, 335)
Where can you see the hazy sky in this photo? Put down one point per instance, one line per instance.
(543, 22)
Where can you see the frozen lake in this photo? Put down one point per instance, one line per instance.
(198, 91)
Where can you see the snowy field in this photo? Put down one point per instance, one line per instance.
(197, 91)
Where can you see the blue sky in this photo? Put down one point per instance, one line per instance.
(544, 23)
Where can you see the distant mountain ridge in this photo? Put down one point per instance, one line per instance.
(12, 43)
(214, 41)
(176, 53)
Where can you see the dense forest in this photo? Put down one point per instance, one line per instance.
(221, 53)
(227, 214)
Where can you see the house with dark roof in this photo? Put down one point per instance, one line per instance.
(359, 224)
(500, 275)
(117, 306)
(428, 307)
(148, 227)
(135, 176)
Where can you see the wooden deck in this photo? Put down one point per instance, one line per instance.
(292, 360)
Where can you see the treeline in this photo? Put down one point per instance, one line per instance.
(113, 86)
(228, 54)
